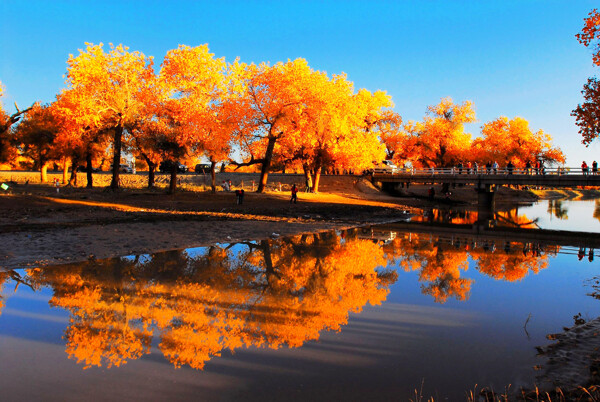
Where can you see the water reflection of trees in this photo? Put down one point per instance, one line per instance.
(510, 218)
(3, 278)
(441, 260)
(558, 209)
(200, 302)
(267, 293)
(13, 275)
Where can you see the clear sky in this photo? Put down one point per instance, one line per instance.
(510, 57)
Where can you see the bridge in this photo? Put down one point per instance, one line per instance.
(481, 233)
(485, 182)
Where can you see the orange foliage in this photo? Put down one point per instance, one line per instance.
(590, 34)
(440, 261)
(334, 128)
(36, 135)
(512, 140)
(512, 265)
(275, 294)
(439, 265)
(440, 139)
(109, 91)
(272, 106)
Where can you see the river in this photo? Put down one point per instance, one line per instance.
(365, 314)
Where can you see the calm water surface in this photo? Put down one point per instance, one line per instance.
(364, 314)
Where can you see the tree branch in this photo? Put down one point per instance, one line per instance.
(252, 161)
(15, 117)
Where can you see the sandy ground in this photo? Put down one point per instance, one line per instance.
(40, 227)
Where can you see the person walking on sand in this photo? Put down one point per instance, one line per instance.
(308, 184)
(239, 193)
(294, 198)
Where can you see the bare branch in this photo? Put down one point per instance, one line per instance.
(15, 117)
(252, 161)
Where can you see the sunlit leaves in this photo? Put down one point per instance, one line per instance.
(506, 140)
(590, 34)
(440, 140)
(108, 91)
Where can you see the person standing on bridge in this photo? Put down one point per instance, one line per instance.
(495, 166)
(594, 168)
(528, 168)
(584, 168)
(510, 167)
(488, 167)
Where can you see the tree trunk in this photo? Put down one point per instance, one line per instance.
(270, 273)
(88, 170)
(151, 174)
(306, 172)
(213, 177)
(173, 182)
(317, 179)
(65, 170)
(73, 179)
(114, 184)
(318, 164)
(151, 170)
(266, 165)
(43, 171)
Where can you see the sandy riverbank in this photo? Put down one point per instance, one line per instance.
(39, 227)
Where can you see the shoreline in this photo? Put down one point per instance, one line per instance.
(40, 227)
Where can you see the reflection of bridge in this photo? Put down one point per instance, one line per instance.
(482, 233)
(484, 183)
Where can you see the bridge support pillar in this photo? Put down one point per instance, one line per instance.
(486, 202)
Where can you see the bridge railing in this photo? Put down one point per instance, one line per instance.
(562, 171)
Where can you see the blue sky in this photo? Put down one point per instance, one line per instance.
(511, 58)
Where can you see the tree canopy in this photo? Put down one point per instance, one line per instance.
(285, 115)
(587, 114)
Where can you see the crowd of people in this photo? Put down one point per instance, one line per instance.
(494, 168)
(510, 168)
